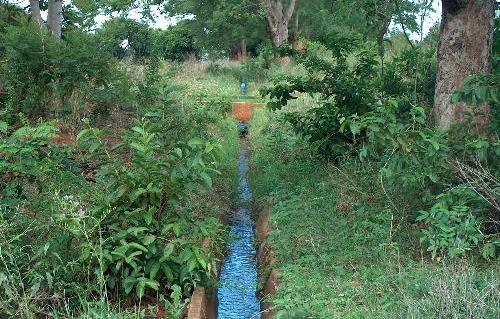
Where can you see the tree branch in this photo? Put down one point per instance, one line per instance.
(290, 10)
(398, 11)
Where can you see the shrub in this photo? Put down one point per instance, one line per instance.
(451, 227)
(343, 89)
(43, 77)
(148, 240)
(44, 226)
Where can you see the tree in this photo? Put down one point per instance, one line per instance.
(225, 26)
(278, 16)
(464, 49)
(35, 11)
(176, 43)
(76, 13)
(136, 35)
(54, 18)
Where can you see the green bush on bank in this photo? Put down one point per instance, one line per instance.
(75, 78)
(364, 251)
(86, 228)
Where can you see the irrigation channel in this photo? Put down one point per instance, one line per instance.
(236, 294)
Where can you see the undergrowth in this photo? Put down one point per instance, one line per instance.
(344, 250)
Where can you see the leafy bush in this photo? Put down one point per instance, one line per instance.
(63, 236)
(411, 77)
(43, 77)
(421, 160)
(344, 89)
(451, 226)
(149, 242)
(43, 225)
(26, 153)
(383, 122)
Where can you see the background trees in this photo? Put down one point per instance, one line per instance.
(109, 137)
(230, 27)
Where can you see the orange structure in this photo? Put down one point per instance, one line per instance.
(243, 111)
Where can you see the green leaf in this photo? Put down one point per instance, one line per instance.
(433, 177)
(456, 97)
(435, 144)
(178, 152)
(120, 191)
(140, 288)
(148, 217)
(481, 93)
(195, 142)
(136, 194)
(363, 152)
(207, 180)
(130, 257)
(192, 263)
(355, 128)
(120, 251)
(138, 246)
(138, 147)
(3, 127)
(149, 239)
(154, 270)
(167, 252)
(128, 284)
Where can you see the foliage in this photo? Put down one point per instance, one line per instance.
(411, 77)
(337, 220)
(44, 77)
(148, 242)
(222, 26)
(176, 43)
(343, 89)
(40, 241)
(127, 36)
(24, 153)
(413, 153)
(380, 120)
(452, 228)
(479, 89)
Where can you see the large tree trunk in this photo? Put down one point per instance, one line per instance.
(464, 49)
(243, 50)
(278, 18)
(54, 17)
(35, 12)
(240, 52)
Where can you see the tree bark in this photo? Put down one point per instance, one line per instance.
(278, 18)
(464, 49)
(382, 30)
(243, 50)
(54, 18)
(35, 12)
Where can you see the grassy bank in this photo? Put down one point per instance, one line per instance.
(61, 224)
(347, 247)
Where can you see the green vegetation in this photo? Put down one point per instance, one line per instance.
(345, 251)
(377, 155)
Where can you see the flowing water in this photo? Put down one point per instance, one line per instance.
(236, 295)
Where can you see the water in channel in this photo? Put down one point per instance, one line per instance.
(236, 295)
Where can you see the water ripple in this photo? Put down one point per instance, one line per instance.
(238, 278)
